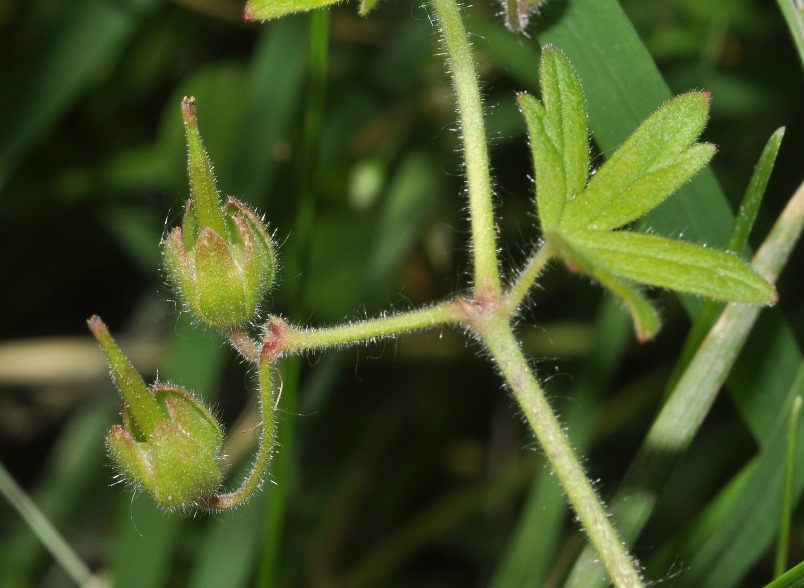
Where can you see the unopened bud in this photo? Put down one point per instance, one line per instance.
(221, 260)
(169, 444)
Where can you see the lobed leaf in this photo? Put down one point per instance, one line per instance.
(684, 267)
(652, 164)
(558, 136)
(550, 182)
(268, 9)
(566, 117)
(643, 314)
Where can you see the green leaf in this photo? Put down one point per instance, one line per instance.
(558, 135)
(58, 72)
(754, 193)
(267, 9)
(792, 15)
(566, 120)
(550, 190)
(653, 163)
(685, 267)
(645, 317)
(738, 240)
(367, 6)
(794, 578)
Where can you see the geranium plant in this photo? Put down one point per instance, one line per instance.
(221, 263)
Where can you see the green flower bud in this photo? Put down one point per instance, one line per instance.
(221, 260)
(170, 443)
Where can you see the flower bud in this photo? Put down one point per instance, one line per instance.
(221, 260)
(169, 444)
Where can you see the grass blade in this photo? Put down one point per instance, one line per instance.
(794, 578)
(622, 87)
(85, 38)
(787, 502)
(794, 16)
(679, 420)
(47, 533)
(739, 525)
(738, 241)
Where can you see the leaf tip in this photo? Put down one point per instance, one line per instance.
(644, 336)
(774, 298)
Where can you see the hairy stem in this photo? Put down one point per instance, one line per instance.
(505, 350)
(267, 417)
(514, 297)
(284, 339)
(470, 113)
(688, 403)
(244, 345)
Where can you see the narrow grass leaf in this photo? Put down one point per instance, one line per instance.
(754, 193)
(793, 578)
(794, 18)
(73, 471)
(738, 241)
(782, 547)
(739, 525)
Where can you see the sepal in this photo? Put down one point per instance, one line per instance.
(221, 261)
(173, 457)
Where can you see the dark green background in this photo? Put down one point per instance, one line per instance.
(408, 464)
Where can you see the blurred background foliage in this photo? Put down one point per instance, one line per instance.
(401, 463)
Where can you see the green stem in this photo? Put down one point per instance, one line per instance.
(514, 297)
(286, 339)
(267, 417)
(687, 405)
(244, 345)
(470, 113)
(505, 350)
(285, 466)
